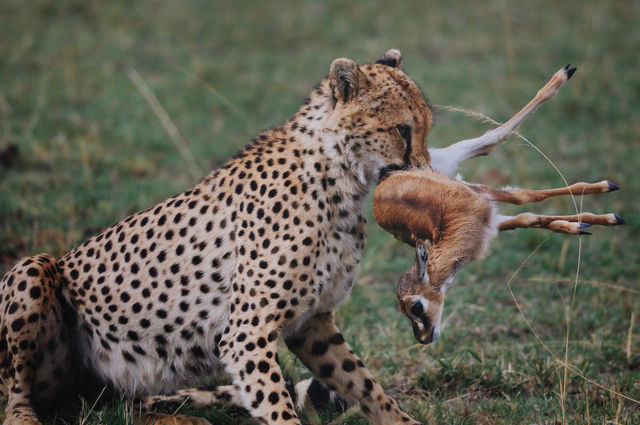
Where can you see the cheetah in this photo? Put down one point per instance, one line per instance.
(263, 248)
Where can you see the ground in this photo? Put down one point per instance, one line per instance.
(80, 148)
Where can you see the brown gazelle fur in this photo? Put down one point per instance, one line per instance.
(451, 222)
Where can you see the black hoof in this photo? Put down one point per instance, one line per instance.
(569, 71)
(582, 232)
(619, 220)
(583, 225)
(612, 186)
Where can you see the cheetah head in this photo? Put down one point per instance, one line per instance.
(381, 112)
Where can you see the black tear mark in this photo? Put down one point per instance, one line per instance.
(405, 132)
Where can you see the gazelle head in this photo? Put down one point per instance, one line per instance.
(421, 289)
(420, 301)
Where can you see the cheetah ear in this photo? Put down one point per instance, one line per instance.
(392, 58)
(346, 79)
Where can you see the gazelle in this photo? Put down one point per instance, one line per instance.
(451, 222)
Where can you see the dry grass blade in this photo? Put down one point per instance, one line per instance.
(221, 97)
(175, 412)
(4, 116)
(629, 337)
(568, 319)
(586, 282)
(555, 356)
(167, 123)
(83, 418)
(586, 401)
(494, 387)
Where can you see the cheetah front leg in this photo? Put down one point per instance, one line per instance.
(250, 357)
(321, 346)
(248, 349)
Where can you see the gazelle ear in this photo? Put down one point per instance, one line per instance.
(422, 258)
(392, 58)
(346, 79)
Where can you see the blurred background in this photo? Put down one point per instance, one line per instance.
(80, 148)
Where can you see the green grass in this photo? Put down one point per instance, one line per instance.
(91, 151)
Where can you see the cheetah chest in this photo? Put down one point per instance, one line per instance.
(341, 263)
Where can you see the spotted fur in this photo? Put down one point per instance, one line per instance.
(264, 247)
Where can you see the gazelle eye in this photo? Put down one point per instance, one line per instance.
(417, 308)
(405, 132)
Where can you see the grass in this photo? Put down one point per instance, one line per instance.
(81, 148)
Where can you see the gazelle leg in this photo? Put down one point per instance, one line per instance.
(525, 196)
(446, 160)
(571, 224)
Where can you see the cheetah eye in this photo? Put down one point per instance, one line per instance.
(405, 132)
